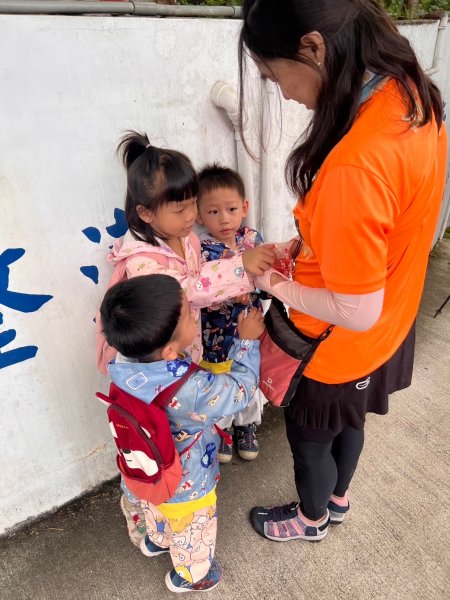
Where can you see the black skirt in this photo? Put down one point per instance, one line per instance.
(325, 409)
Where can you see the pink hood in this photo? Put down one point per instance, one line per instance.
(127, 246)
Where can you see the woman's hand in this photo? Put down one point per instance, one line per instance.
(251, 326)
(257, 260)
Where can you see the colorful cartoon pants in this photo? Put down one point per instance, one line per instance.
(191, 539)
(134, 515)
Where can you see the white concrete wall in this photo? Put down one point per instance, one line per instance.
(442, 79)
(69, 87)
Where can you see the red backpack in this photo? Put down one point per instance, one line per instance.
(147, 457)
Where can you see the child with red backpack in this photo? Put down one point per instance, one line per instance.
(150, 322)
(161, 209)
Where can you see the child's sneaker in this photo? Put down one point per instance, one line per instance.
(225, 453)
(285, 523)
(150, 549)
(337, 513)
(135, 520)
(247, 444)
(177, 584)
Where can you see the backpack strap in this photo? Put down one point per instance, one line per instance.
(224, 435)
(197, 436)
(164, 398)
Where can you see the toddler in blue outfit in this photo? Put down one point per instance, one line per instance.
(149, 321)
(222, 206)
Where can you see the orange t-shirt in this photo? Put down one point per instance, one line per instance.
(367, 224)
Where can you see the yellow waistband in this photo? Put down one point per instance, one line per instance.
(217, 368)
(178, 510)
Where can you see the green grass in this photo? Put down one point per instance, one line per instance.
(399, 9)
(402, 9)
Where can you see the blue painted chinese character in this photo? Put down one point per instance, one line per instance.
(17, 301)
(116, 230)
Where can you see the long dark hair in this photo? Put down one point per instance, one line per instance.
(358, 35)
(155, 176)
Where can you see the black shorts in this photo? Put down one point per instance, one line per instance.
(324, 409)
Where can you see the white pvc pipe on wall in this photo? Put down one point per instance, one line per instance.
(79, 7)
(224, 96)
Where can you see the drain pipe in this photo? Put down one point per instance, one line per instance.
(164, 10)
(266, 172)
(439, 43)
(63, 7)
(80, 7)
(224, 96)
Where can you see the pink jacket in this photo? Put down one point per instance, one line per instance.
(205, 283)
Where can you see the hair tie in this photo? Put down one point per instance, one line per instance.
(148, 146)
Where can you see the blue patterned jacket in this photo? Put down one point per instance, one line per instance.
(201, 401)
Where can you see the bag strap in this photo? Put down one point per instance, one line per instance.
(197, 436)
(297, 249)
(326, 333)
(224, 435)
(329, 329)
(164, 398)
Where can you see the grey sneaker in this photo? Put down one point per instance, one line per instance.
(225, 453)
(246, 442)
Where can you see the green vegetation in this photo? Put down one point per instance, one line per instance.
(411, 9)
(399, 9)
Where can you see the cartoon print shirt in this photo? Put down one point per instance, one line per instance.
(219, 321)
(205, 283)
(202, 401)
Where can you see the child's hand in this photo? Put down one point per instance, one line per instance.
(243, 299)
(257, 260)
(251, 326)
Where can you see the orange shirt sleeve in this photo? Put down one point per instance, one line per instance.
(353, 214)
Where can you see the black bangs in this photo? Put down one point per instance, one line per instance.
(155, 176)
(179, 180)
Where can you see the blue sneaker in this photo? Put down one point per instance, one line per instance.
(178, 584)
(150, 549)
(246, 442)
(225, 453)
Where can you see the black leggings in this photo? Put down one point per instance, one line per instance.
(324, 466)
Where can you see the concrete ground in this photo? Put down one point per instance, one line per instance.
(395, 545)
